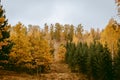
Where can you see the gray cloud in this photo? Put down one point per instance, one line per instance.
(90, 13)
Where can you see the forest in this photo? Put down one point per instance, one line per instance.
(32, 50)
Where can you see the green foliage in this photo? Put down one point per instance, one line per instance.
(76, 56)
(101, 62)
(94, 61)
(70, 49)
(82, 55)
(117, 64)
(5, 43)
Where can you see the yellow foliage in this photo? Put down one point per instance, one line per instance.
(30, 50)
(110, 35)
(2, 19)
(20, 52)
(75, 39)
(61, 53)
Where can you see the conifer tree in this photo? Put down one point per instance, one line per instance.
(107, 64)
(81, 56)
(101, 63)
(31, 51)
(69, 56)
(5, 43)
(90, 64)
(117, 64)
(84, 58)
(20, 56)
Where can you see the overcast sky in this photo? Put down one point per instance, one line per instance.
(89, 13)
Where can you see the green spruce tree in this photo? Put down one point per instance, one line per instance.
(5, 43)
(101, 63)
(117, 64)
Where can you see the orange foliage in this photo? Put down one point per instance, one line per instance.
(29, 47)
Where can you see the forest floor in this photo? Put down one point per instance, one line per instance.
(59, 71)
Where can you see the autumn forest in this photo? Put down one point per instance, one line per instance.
(59, 48)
